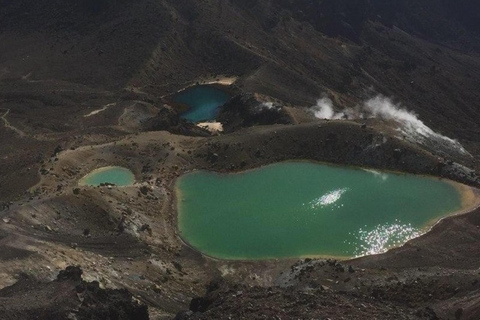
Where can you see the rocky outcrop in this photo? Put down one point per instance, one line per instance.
(245, 110)
(169, 120)
(68, 297)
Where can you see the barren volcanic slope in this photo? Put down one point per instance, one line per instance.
(88, 84)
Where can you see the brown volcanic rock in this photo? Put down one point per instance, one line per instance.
(65, 59)
(245, 110)
(169, 120)
(240, 302)
(401, 49)
(67, 297)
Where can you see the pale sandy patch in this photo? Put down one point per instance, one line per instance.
(213, 127)
(470, 197)
(224, 81)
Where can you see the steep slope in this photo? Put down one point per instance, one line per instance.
(67, 297)
(423, 53)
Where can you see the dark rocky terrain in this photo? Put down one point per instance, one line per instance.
(67, 297)
(246, 110)
(87, 83)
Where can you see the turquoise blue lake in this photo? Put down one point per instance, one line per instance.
(203, 102)
(298, 209)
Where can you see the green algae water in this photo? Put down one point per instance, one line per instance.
(204, 102)
(114, 175)
(298, 209)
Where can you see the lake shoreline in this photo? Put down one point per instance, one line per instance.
(83, 181)
(469, 200)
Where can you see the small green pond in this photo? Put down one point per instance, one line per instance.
(113, 175)
(297, 209)
(203, 102)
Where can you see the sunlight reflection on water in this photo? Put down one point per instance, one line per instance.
(382, 238)
(328, 199)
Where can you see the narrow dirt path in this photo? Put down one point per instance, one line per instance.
(105, 107)
(9, 126)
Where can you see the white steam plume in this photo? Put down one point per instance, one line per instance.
(380, 107)
(267, 106)
(324, 109)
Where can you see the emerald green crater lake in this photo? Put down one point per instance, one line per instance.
(300, 209)
(203, 102)
(114, 175)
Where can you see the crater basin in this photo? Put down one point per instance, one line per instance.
(203, 102)
(304, 209)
